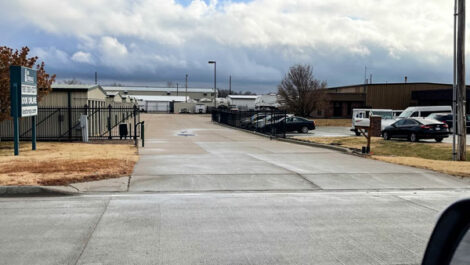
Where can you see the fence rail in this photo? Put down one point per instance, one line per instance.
(63, 123)
(269, 122)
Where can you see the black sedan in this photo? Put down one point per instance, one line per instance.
(447, 119)
(291, 124)
(414, 129)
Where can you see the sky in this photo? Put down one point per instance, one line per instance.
(150, 42)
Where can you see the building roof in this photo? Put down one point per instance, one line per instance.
(253, 97)
(381, 84)
(157, 89)
(73, 87)
(161, 98)
(112, 93)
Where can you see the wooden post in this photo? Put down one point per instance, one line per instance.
(461, 88)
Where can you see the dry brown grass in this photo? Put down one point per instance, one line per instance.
(433, 156)
(333, 122)
(456, 168)
(63, 163)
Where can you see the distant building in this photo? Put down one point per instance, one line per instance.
(159, 103)
(266, 102)
(63, 95)
(398, 96)
(194, 93)
(242, 102)
(114, 97)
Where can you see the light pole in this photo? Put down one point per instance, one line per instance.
(215, 82)
(186, 100)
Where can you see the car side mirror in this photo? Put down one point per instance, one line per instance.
(450, 240)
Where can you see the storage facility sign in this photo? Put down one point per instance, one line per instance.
(24, 92)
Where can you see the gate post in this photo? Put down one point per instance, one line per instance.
(135, 123)
(109, 121)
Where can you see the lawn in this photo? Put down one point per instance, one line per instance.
(428, 155)
(55, 163)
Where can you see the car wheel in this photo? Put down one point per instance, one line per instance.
(386, 136)
(304, 129)
(438, 139)
(357, 132)
(414, 137)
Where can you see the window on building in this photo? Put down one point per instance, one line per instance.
(205, 94)
(168, 93)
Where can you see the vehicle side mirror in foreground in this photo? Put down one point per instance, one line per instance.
(450, 240)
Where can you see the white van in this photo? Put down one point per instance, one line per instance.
(361, 118)
(422, 112)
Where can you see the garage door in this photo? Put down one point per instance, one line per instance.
(157, 106)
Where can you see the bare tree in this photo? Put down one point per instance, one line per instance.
(72, 81)
(300, 92)
(225, 92)
(9, 57)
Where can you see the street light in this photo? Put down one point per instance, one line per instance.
(215, 82)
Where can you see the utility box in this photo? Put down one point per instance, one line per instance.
(84, 127)
(375, 129)
(123, 131)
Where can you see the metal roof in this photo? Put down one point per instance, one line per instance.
(157, 89)
(112, 93)
(74, 86)
(254, 97)
(162, 98)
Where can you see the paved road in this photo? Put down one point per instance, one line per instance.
(206, 194)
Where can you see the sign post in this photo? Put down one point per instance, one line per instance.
(23, 95)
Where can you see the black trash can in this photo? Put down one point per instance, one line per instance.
(123, 131)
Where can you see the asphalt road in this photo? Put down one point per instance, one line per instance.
(206, 194)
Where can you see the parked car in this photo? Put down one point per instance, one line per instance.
(396, 113)
(447, 119)
(415, 129)
(270, 118)
(291, 124)
(422, 112)
(249, 122)
(361, 117)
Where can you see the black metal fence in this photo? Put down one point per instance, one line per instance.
(63, 124)
(269, 122)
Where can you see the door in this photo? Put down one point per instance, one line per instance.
(397, 129)
(408, 127)
(337, 109)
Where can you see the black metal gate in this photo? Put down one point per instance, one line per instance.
(63, 123)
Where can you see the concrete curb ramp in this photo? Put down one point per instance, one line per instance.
(16, 191)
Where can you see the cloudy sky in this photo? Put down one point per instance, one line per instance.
(153, 41)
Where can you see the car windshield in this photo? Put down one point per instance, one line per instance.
(406, 114)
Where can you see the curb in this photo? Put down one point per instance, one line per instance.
(296, 141)
(16, 191)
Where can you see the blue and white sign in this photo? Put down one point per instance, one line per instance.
(24, 92)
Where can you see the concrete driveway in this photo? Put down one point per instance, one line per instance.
(206, 194)
(189, 153)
